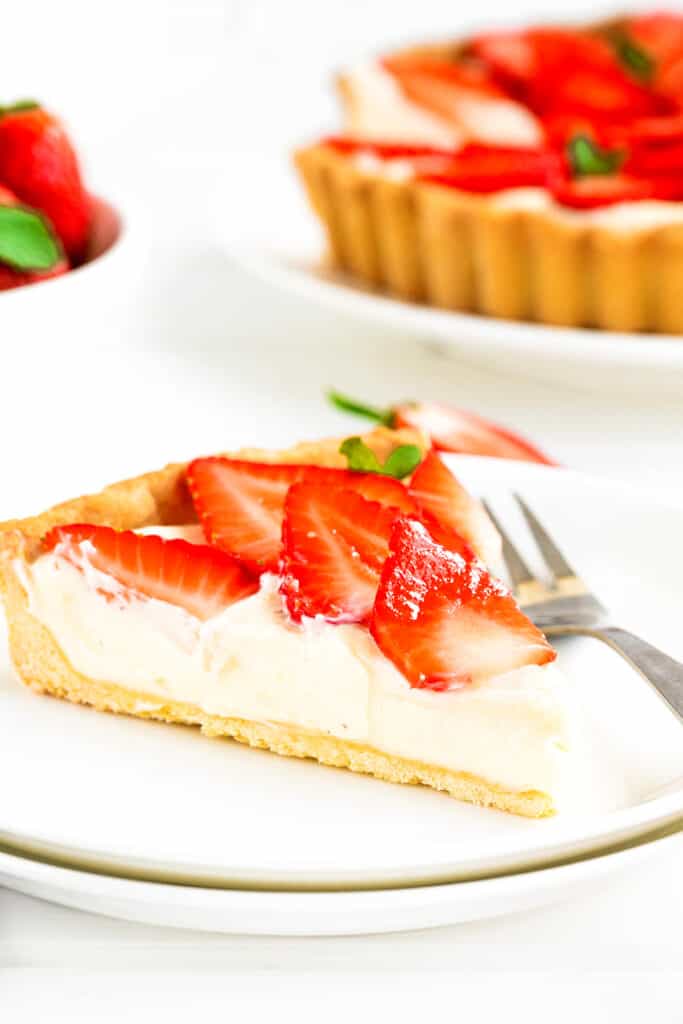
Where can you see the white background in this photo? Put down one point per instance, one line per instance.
(171, 104)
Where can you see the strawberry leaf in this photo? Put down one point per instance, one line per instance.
(26, 241)
(586, 157)
(385, 417)
(361, 459)
(634, 58)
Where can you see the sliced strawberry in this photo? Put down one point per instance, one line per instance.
(455, 430)
(648, 131)
(241, 504)
(660, 33)
(559, 71)
(510, 55)
(481, 168)
(660, 36)
(440, 84)
(384, 150)
(445, 622)
(593, 191)
(195, 577)
(464, 93)
(375, 487)
(335, 543)
(437, 493)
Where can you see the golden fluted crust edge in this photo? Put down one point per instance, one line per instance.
(459, 251)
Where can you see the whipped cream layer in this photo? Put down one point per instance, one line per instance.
(251, 662)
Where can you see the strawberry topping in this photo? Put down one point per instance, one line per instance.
(241, 504)
(440, 496)
(444, 621)
(455, 430)
(619, 85)
(335, 543)
(198, 578)
(480, 168)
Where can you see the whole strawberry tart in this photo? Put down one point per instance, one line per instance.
(336, 601)
(528, 175)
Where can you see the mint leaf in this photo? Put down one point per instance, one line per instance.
(402, 461)
(586, 157)
(634, 58)
(384, 416)
(361, 459)
(26, 241)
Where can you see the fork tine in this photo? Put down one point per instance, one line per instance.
(554, 558)
(517, 568)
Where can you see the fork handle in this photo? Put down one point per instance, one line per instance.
(665, 674)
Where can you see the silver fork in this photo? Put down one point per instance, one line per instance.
(566, 607)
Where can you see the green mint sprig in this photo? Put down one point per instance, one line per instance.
(586, 157)
(361, 459)
(26, 240)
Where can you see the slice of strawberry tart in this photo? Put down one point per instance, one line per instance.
(330, 601)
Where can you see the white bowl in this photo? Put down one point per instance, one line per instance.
(80, 305)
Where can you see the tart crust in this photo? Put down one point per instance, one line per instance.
(161, 498)
(460, 251)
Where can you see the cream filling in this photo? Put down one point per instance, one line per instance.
(376, 109)
(250, 662)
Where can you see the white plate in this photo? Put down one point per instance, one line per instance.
(163, 803)
(313, 913)
(285, 249)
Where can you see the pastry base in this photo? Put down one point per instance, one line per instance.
(161, 498)
(460, 251)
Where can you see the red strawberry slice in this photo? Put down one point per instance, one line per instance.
(384, 150)
(445, 622)
(593, 191)
(438, 494)
(559, 71)
(38, 162)
(510, 55)
(335, 543)
(660, 36)
(440, 85)
(195, 577)
(481, 168)
(241, 504)
(455, 430)
(461, 93)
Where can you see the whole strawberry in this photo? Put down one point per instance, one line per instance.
(38, 163)
(29, 250)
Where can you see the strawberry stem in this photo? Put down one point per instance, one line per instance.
(386, 417)
(18, 106)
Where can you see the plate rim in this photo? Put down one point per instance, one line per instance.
(292, 272)
(626, 827)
